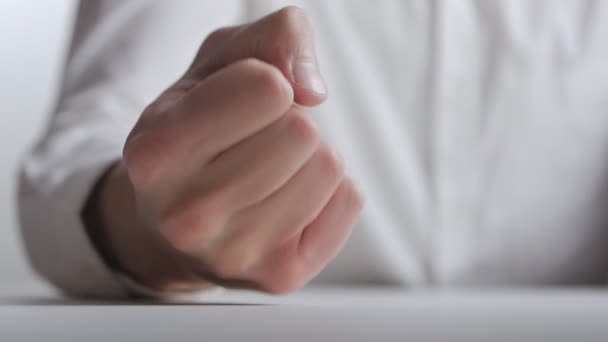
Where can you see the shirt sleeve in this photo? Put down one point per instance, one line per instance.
(122, 55)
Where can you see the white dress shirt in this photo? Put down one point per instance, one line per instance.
(477, 131)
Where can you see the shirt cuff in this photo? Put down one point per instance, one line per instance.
(57, 243)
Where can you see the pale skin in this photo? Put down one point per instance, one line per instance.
(224, 178)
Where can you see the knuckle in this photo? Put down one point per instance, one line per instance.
(132, 152)
(292, 17)
(218, 36)
(212, 45)
(250, 66)
(142, 158)
(188, 222)
(306, 214)
(178, 235)
(286, 272)
(331, 165)
(284, 281)
(272, 82)
(280, 287)
(268, 80)
(233, 261)
(303, 127)
(354, 197)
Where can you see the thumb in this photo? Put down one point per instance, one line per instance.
(284, 39)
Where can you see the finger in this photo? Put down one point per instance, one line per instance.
(261, 164)
(231, 105)
(286, 212)
(323, 238)
(248, 235)
(284, 39)
(227, 107)
(238, 178)
(301, 259)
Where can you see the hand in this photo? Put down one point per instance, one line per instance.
(232, 173)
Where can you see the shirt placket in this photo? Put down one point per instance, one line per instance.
(458, 164)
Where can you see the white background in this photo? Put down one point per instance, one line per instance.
(33, 43)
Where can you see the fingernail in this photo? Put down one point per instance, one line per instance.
(307, 75)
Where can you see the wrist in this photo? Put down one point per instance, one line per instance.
(131, 246)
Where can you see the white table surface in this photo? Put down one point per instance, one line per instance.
(316, 315)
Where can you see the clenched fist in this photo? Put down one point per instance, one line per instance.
(228, 170)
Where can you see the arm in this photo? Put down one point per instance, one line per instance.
(224, 180)
(109, 78)
(227, 175)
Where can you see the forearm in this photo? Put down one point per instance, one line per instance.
(128, 243)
